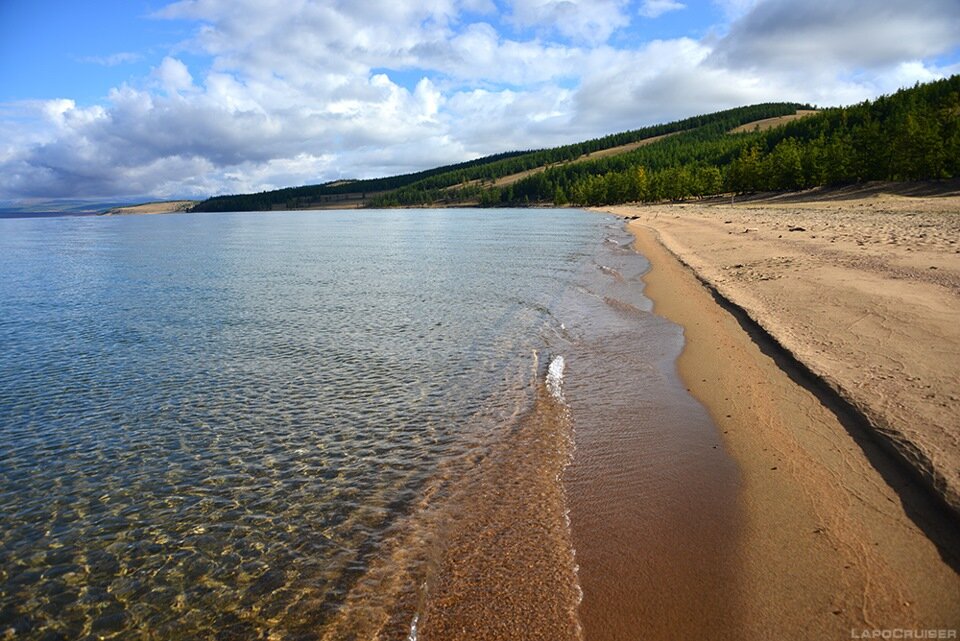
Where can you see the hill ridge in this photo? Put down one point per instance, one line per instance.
(485, 169)
(911, 135)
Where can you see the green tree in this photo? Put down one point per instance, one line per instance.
(560, 197)
(785, 166)
(745, 172)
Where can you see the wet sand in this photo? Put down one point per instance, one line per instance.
(652, 493)
(486, 555)
(836, 534)
(505, 569)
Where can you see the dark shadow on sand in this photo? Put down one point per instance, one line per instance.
(921, 502)
(925, 188)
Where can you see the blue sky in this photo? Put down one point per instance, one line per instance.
(80, 48)
(153, 99)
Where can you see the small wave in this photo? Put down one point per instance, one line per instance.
(623, 306)
(610, 271)
(555, 377)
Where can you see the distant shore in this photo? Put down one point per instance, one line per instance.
(158, 207)
(817, 315)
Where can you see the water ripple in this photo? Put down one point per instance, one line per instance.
(211, 421)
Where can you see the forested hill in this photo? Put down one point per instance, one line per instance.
(913, 134)
(434, 184)
(302, 197)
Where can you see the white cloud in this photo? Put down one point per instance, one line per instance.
(656, 8)
(591, 21)
(56, 110)
(113, 60)
(173, 76)
(854, 34)
(482, 7)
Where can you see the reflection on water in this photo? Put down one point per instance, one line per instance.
(215, 426)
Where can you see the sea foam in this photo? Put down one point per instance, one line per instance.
(555, 377)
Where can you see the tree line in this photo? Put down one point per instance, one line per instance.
(911, 135)
(297, 197)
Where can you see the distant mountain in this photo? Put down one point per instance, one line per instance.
(65, 206)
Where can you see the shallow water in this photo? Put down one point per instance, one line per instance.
(326, 425)
(210, 421)
(651, 491)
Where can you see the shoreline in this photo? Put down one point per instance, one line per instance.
(653, 495)
(837, 535)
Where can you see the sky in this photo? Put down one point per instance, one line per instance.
(147, 99)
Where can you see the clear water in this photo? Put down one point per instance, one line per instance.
(216, 426)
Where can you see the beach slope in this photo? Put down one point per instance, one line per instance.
(865, 292)
(802, 345)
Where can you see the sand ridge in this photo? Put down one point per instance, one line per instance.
(865, 292)
(510, 179)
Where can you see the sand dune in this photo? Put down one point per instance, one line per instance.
(164, 207)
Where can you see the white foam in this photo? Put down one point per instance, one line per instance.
(555, 377)
(413, 628)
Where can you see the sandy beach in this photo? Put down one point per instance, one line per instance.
(162, 207)
(828, 355)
